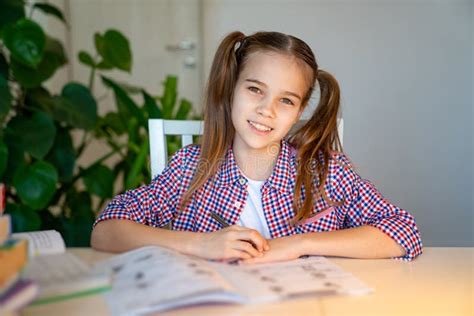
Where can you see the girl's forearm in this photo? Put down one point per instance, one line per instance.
(122, 235)
(359, 242)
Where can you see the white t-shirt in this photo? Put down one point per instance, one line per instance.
(252, 216)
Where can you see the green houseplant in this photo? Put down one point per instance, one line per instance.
(45, 188)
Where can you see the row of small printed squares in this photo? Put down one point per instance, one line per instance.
(15, 292)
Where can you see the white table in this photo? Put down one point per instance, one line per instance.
(439, 282)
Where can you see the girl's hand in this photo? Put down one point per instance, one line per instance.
(231, 243)
(281, 249)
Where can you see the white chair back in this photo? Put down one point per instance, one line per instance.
(159, 129)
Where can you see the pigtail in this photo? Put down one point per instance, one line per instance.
(315, 142)
(218, 128)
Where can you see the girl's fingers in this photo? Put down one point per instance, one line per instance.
(254, 238)
(246, 247)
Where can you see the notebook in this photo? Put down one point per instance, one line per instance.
(152, 279)
(59, 274)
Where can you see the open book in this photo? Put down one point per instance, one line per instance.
(60, 275)
(151, 279)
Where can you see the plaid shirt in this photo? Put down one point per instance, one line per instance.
(225, 194)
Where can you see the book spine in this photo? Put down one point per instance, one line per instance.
(20, 295)
(5, 228)
(13, 256)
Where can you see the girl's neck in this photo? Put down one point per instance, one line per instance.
(254, 164)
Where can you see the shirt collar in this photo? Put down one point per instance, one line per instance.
(282, 177)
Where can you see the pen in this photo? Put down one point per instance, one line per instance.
(224, 224)
(219, 219)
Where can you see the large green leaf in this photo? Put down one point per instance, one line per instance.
(126, 106)
(77, 231)
(62, 155)
(50, 9)
(135, 176)
(5, 98)
(78, 227)
(86, 58)
(99, 42)
(76, 106)
(168, 100)
(54, 49)
(133, 129)
(36, 184)
(26, 41)
(99, 180)
(12, 11)
(183, 110)
(35, 134)
(114, 49)
(16, 159)
(3, 158)
(151, 107)
(112, 120)
(103, 65)
(54, 58)
(24, 218)
(40, 98)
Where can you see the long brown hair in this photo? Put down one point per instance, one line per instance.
(318, 136)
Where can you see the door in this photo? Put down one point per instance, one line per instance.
(164, 37)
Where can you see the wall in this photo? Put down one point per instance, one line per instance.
(405, 70)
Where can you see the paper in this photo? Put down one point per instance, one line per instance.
(150, 278)
(154, 279)
(63, 276)
(43, 242)
(312, 275)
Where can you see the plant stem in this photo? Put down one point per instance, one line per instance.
(91, 80)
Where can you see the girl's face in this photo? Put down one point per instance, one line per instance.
(267, 101)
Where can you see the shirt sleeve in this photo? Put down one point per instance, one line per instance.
(364, 205)
(154, 204)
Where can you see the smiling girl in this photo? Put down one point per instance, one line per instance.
(249, 190)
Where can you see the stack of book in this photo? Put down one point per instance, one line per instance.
(15, 292)
(35, 268)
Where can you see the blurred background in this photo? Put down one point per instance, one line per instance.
(405, 68)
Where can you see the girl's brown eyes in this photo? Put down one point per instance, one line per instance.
(254, 89)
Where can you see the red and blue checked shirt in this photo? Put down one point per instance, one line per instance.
(226, 193)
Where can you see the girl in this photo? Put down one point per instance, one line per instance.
(249, 193)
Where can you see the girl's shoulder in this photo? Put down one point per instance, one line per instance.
(190, 151)
(186, 157)
(339, 158)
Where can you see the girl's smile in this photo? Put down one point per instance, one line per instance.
(259, 129)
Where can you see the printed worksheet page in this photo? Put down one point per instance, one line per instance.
(312, 275)
(153, 279)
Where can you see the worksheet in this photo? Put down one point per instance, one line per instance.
(153, 279)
